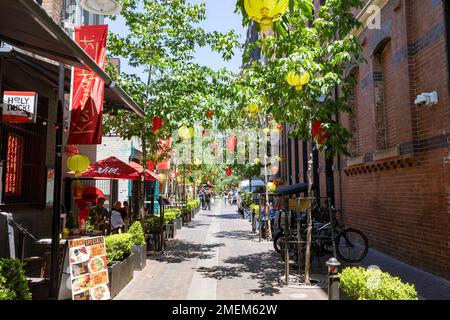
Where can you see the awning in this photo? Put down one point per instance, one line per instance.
(46, 74)
(26, 25)
(111, 168)
(292, 189)
(150, 176)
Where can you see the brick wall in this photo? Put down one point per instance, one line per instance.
(402, 202)
(53, 8)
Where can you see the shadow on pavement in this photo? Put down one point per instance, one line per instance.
(265, 267)
(237, 234)
(178, 251)
(224, 216)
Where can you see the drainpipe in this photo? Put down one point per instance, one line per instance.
(54, 267)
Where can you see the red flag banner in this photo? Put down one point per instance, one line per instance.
(88, 88)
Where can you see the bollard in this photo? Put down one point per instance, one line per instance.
(333, 278)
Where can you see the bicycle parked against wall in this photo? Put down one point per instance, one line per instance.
(349, 245)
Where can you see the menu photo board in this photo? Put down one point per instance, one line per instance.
(89, 269)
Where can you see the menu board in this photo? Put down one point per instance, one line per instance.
(89, 269)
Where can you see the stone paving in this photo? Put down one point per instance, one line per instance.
(216, 257)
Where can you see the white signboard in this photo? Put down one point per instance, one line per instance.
(19, 107)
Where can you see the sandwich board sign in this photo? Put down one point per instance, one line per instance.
(19, 107)
(88, 269)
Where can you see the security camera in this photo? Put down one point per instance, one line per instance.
(427, 99)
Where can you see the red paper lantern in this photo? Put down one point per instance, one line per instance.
(231, 143)
(157, 124)
(319, 133)
(228, 171)
(210, 114)
(274, 169)
(71, 150)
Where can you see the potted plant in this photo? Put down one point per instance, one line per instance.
(152, 229)
(178, 219)
(186, 214)
(13, 281)
(120, 261)
(357, 283)
(169, 221)
(139, 248)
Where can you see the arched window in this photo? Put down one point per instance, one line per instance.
(384, 93)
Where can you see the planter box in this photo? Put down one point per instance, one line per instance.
(120, 273)
(170, 231)
(179, 223)
(193, 213)
(139, 257)
(154, 241)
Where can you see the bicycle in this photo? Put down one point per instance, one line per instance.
(350, 244)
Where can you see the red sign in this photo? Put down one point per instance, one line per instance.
(19, 107)
(88, 88)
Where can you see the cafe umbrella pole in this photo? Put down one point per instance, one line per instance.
(54, 268)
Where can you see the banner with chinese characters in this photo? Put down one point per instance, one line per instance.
(89, 269)
(88, 89)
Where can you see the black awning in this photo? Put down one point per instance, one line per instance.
(26, 25)
(44, 75)
(292, 189)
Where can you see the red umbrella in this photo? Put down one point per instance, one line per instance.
(112, 168)
(149, 175)
(91, 194)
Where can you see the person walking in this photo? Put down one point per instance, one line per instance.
(208, 196)
(202, 196)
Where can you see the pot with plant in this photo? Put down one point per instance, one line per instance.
(152, 229)
(120, 256)
(140, 246)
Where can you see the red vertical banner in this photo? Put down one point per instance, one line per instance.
(88, 88)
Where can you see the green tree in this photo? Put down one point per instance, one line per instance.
(323, 46)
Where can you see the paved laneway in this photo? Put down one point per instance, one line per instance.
(216, 257)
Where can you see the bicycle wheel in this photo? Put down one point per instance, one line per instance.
(277, 241)
(352, 245)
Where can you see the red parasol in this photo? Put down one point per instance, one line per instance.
(149, 175)
(112, 168)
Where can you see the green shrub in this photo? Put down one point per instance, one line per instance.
(138, 234)
(373, 284)
(152, 225)
(170, 215)
(246, 198)
(13, 281)
(185, 210)
(118, 246)
(254, 209)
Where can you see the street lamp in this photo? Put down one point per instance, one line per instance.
(101, 7)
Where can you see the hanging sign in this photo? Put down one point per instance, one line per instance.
(89, 269)
(19, 107)
(88, 88)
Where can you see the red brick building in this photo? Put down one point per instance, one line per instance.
(395, 187)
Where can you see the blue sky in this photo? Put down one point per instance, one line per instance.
(220, 17)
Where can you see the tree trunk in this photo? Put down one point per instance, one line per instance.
(309, 221)
(144, 162)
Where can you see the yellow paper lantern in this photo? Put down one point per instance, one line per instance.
(266, 11)
(78, 163)
(271, 187)
(257, 161)
(162, 176)
(185, 133)
(266, 131)
(253, 108)
(296, 80)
